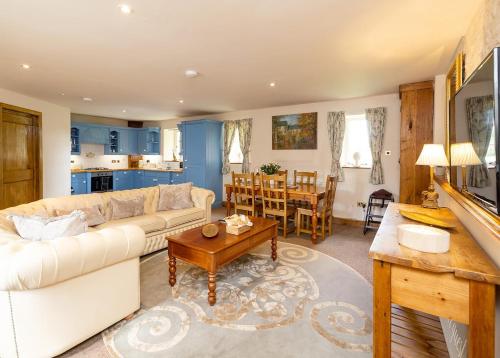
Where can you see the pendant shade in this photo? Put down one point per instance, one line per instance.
(464, 154)
(434, 155)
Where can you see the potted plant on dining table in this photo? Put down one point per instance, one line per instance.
(270, 168)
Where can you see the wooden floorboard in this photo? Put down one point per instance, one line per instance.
(416, 334)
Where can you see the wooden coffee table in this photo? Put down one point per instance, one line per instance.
(209, 254)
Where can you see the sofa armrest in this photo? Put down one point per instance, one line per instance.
(203, 198)
(26, 265)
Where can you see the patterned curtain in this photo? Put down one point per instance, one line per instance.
(375, 118)
(245, 133)
(228, 136)
(480, 127)
(336, 129)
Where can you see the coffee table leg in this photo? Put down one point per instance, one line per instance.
(274, 248)
(172, 268)
(211, 288)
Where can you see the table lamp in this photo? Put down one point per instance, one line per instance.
(431, 155)
(463, 154)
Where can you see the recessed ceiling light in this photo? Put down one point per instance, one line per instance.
(272, 84)
(25, 66)
(191, 73)
(126, 9)
(62, 93)
(87, 99)
(124, 111)
(181, 101)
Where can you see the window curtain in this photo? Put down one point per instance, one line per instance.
(336, 129)
(480, 127)
(229, 129)
(375, 118)
(245, 134)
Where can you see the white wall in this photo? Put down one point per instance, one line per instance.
(356, 186)
(55, 141)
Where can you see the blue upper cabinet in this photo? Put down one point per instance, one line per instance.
(116, 140)
(94, 134)
(75, 140)
(202, 155)
(148, 141)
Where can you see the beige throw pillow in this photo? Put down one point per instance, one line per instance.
(94, 215)
(37, 228)
(173, 197)
(126, 208)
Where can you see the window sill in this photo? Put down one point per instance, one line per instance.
(354, 167)
(235, 163)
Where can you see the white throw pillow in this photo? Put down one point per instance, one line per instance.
(37, 228)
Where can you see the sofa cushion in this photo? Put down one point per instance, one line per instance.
(67, 204)
(148, 223)
(93, 214)
(181, 216)
(36, 228)
(126, 208)
(150, 199)
(173, 197)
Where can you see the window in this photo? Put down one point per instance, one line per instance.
(171, 144)
(235, 154)
(491, 157)
(356, 151)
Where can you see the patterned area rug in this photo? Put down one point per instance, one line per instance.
(306, 304)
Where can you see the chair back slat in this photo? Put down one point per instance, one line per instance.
(305, 178)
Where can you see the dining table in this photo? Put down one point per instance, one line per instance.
(302, 192)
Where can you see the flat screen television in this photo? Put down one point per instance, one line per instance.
(476, 120)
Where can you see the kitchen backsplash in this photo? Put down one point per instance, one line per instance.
(92, 156)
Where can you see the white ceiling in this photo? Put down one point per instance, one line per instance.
(315, 50)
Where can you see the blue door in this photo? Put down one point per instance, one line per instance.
(177, 178)
(123, 180)
(79, 183)
(138, 179)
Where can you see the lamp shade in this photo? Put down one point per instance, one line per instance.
(464, 154)
(432, 154)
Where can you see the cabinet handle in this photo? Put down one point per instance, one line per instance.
(84, 182)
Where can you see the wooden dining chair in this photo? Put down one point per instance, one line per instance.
(282, 172)
(274, 199)
(301, 179)
(324, 212)
(305, 178)
(244, 190)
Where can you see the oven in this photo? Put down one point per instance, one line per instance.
(101, 181)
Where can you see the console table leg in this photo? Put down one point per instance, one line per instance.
(211, 288)
(481, 319)
(381, 309)
(172, 268)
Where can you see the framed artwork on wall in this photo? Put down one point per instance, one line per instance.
(295, 131)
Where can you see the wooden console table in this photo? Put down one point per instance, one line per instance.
(458, 285)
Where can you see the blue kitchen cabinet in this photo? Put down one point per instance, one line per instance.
(80, 183)
(122, 141)
(202, 155)
(138, 178)
(123, 180)
(151, 178)
(177, 178)
(164, 177)
(94, 134)
(75, 140)
(132, 144)
(148, 141)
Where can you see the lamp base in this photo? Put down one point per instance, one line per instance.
(430, 199)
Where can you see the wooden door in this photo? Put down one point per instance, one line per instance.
(417, 114)
(20, 156)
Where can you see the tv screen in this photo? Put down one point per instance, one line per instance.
(476, 122)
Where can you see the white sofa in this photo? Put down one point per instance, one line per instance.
(55, 294)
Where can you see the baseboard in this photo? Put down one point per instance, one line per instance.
(347, 221)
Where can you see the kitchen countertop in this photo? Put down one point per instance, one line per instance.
(76, 171)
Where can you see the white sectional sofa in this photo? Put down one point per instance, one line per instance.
(55, 294)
